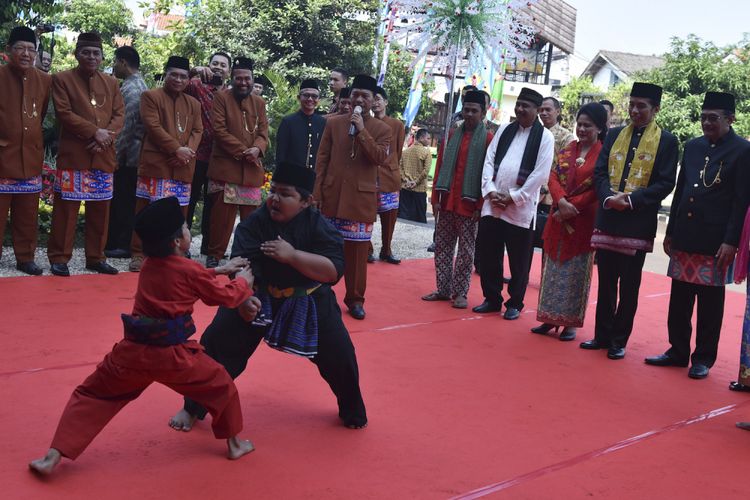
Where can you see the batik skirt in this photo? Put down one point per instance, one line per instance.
(564, 293)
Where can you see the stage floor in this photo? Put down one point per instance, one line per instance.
(460, 405)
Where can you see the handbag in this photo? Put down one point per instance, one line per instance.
(542, 212)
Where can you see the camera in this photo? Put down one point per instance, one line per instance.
(216, 81)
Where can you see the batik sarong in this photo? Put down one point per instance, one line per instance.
(83, 185)
(698, 269)
(21, 186)
(388, 201)
(154, 189)
(352, 230)
(564, 293)
(235, 194)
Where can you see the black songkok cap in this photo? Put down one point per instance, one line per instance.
(90, 39)
(647, 90)
(262, 80)
(22, 34)
(242, 63)
(365, 82)
(530, 95)
(381, 91)
(719, 100)
(345, 93)
(309, 84)
(294, 175)
(477, 97)
(178, 63)
(159, 220)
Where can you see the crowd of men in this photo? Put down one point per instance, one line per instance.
(204, 133)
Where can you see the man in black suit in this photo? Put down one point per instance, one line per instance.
(634, 172)
(704, 229)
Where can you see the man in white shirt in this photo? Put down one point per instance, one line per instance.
(516, 165)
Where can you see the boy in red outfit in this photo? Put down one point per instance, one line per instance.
(156, 346)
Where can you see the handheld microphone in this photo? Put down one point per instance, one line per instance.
(352, 127)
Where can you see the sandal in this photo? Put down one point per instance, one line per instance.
(435, 296)
(739, 387)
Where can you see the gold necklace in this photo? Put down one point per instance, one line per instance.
(244, 122)
(180, 126)
(95, 103)
(717, 178)
(33, 108)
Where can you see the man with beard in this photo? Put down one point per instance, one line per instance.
(173, 126)
(26, 93)
(235, 171)
(298, 136)
(90, 111)
(205, 82)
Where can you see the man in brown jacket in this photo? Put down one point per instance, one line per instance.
(172, 120)
(350, 151)
(389, 179)
(22, 109)
(90, 111)
(235, 171)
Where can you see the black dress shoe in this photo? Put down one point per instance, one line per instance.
(738, 387)
(212, 262)
(431, 248)
(592, 344)
(544, 328)
(511, 313)
(117, 253)
(698, 371)
(487, 307)
(663, 360)
(616, 353)
(60, 269)
(357, 311)
(568, 334)
(370, 258)
(102, 268)
(29, 268)
(390, 259)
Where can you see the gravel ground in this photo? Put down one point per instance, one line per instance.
(410, 241)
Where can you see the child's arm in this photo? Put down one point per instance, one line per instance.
(234, 265)
(316, 267)
(215, 293)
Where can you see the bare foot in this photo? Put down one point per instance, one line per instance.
(47, 463)
(238, 447)
(182, 421)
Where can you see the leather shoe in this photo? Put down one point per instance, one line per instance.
(544, 328)
(511, 313)
(663, 360)
(212, 262)
(435, 296)
(390, 259)
(29, 267)
(102, 268)
(616, 353)
(698, 371)
(117, 253)
(357, 311)
(486, 307)
(370, 258)
(60, 269)
(431, 248)
(592, 344)
(568, 333)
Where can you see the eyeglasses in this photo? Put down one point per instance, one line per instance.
(310, 96)
(710, 118)
(22, 50)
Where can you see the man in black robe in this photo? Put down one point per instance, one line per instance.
(299, 134)
(703, 233)
(230, 340)
(635, 171)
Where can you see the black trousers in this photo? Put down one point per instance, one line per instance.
(708, 327)
(617, 273)
(493, 237)
(231, 341)
(198, 190)
(122, 209)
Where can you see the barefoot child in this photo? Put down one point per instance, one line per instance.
(156, 346)
(296, 256)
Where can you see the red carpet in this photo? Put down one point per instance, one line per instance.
(459, 406)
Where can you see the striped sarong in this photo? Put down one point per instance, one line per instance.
(158, 331)
(294, 328)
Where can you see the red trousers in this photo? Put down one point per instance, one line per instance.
(222, 223)
(123, 375)
(24, 216)
(136, 246)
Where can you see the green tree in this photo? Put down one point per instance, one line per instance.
(109, 18)
(398, 84)
(577, 92)
(26, 12)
